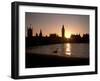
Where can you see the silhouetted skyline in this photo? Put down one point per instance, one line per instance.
(52, 23)
(53, 38)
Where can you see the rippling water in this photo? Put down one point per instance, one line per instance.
(67, 49)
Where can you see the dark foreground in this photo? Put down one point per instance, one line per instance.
(39, 60)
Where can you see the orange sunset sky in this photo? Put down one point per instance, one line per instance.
(52, 23)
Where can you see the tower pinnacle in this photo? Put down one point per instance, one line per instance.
(63, 32)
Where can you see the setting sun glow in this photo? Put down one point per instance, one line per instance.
(67, 34)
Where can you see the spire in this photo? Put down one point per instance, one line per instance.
(36, 34)
(63, 32)
(30, 31)
(40, 33)
(63, 26)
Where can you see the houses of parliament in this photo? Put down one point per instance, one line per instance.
(53, 38)
(30, 33)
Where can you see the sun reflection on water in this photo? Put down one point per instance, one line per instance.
(68, 49)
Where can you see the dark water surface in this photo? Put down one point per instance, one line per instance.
(80, 50)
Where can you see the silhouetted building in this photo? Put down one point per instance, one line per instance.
(53, 35)
(29, 33)
(85, 38)
(40, 34)
(77, 36)
(36, 34)
(53, 38)
(63, 32)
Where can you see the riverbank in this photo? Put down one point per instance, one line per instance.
(42, 60)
